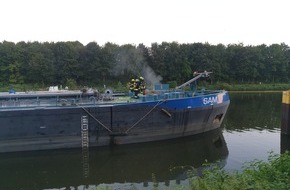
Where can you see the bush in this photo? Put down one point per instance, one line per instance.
(256, 175)
(71, 84)
(224, 86)
(172, 84)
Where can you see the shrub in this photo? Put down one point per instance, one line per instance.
(172, 84)
(256, 175)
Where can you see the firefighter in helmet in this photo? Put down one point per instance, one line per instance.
(132, 85)
(137, 88)
(142, 85)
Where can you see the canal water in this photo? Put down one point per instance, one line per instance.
(251, 130)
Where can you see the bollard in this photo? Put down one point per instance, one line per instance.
(284, 143)
(285, 120)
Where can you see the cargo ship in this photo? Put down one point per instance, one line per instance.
(81, 119)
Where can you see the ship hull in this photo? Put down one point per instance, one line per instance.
(26, 129)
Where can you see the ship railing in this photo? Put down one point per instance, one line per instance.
(8, 102)
(60, 101)
(176, 95)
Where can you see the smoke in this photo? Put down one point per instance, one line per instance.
(130, 60)
(150, 76)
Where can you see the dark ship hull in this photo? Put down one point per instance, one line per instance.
(73, 124)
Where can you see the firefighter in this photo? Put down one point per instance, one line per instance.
(132, 85)
(137, 88)
(142, 85)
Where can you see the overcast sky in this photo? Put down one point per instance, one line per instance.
(251, 22)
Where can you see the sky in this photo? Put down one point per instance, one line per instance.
(251, 22)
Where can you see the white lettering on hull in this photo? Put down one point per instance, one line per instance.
(210, 100)
(214, 99)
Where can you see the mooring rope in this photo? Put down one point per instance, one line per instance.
(97, 120)
(158, 103)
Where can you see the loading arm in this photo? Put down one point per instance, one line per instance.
(199, 75)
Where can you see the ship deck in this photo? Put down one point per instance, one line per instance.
(72, 98)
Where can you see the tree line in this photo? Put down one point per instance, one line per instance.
(55, 63)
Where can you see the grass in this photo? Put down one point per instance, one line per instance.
(36, 87)
(256, 175)
(250, 87)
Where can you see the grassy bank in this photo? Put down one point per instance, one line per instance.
(257, 175)
(36, 87)
(249, 87)
(123, 87)
(22, 87)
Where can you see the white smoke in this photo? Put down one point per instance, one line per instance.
(150, 77)
(130, 60)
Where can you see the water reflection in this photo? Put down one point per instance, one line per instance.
(252, 127)
(139, 163)
(261, 111)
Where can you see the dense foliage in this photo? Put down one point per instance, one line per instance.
(272, 175)
(72, 63)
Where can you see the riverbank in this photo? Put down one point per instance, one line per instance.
(250, 87)
(257, 175)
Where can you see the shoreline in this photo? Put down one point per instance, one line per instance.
(255, 91)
